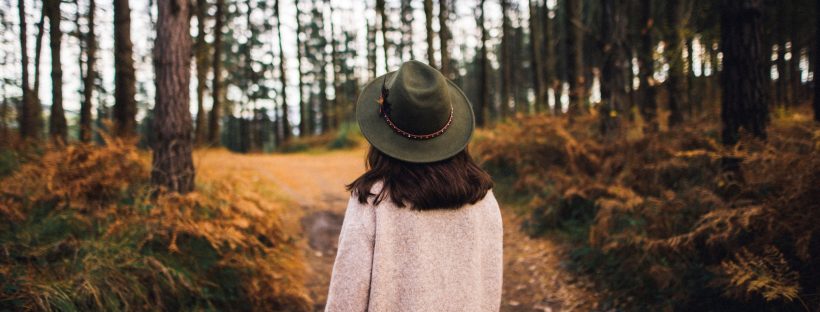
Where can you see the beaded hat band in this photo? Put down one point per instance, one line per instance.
(384, 111)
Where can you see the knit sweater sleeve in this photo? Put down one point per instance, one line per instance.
(350, 281)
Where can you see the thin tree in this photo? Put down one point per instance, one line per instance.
(678, 21)
(575, 56)
(172, 165)
(817, 64)
(216, 84)
(506, 60)
(201, 52)
(484, 84)
(285, 121)
(550, 55)
(304, 120)
(90, 75)
(383, 28)
(536, 45)
(406, 11)
(613, 72)
(745, 103)
(56, 123)
(38, 53)
(125, 105)
(428, 22)
(26, 116)
(371, 47)
(646, 61)
(337, 83)
(444, 37)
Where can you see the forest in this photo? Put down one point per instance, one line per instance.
(648, 155)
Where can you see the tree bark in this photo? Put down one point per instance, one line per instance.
(575, 56)
(613, 72)
(56, 123)
(27, 118)
(536, 45)
(173, 166)
(678, 97)
(382, 17)
(506, 70)
(201, 55)
(338, 93)
(648, 105)
(444, 38)
(481, 111)
(551, 80)
(214, 134)
(285, 121)
(743, 78)
(407, 31)
(125, 105)
(428, 14)
(304, 118)
(38, 53)
(817, 65)
(90, 75)
(371, 48)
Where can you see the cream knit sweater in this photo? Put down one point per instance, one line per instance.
(399, 259)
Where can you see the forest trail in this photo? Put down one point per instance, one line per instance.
(314, 184)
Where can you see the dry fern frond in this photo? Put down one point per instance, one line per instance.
(766, 274)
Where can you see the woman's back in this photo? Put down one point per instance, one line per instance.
(422, 260)
(422, 231)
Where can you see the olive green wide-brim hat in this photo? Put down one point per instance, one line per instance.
(415, 114)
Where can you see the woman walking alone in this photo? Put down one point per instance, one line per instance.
(422, 230)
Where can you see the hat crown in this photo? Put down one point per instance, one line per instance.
(419, 98)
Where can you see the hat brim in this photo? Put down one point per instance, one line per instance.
(376, 130)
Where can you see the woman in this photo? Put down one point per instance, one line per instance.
(422, 230)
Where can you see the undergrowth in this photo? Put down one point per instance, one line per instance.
(673, 221)
(347, 136)
(82, 230)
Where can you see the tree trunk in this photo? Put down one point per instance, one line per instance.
(407, 30)
(551, 40)
(678, 22)
(537, 56)
(201, 55)
(285, 123)
(26, 120)
(575, 56)
(743, 78)
(304, 118)
(817, 65)
(613, 72)
(56, 123)
(382, 17)
(214, 134)
(338, 93)
(444, 37)
(647, 103)
(38, 52)
(90, 76)
(506, 71)
(125, 105)
(371, 48)
(428, 14)
(173, 166)
(484, 85)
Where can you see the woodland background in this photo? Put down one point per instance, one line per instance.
(666, 150)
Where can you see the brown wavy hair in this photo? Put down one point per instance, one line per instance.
(445, 184)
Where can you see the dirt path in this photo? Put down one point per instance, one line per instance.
(533, 278)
